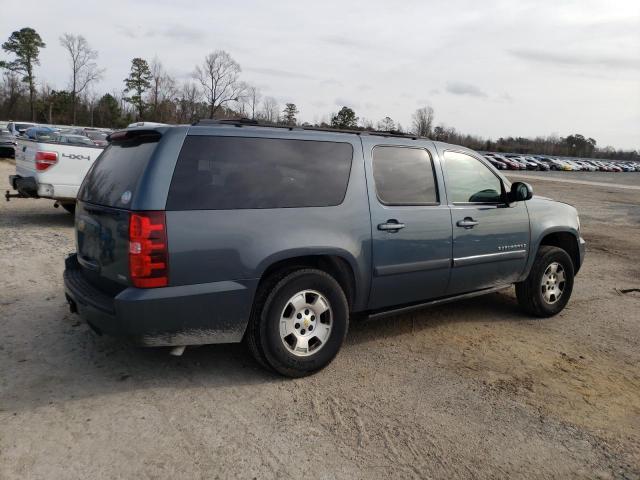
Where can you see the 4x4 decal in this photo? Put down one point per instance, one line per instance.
(73, 156)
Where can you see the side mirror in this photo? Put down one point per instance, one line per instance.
(520, 191)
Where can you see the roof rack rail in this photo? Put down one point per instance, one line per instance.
(242, 122)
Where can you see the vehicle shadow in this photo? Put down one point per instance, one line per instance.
(65, 361)
(24, 219)
(491, 308)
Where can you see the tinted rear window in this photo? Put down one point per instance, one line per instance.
(404, 176)
(222, 173)
(116, 171)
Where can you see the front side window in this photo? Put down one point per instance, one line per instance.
(404, 176)
(222, 173)
(470, 181)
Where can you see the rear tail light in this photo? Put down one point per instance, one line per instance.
(45, 160)
(148, 252)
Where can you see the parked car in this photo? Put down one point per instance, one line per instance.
(52, 166)
(553, 164)
(39, 133)
(222, 231)
(18, 128)
(543, 166)
(528, 163)
(564, 165)
(511, 163)
(586, 166)
(7, 144)
(74, 139)
(496, 163)
(98, 137)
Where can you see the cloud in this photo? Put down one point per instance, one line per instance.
(461, 88)
(127, 31)
(504, 97)
(344, 102)
(575, 59)
(274, 72)
(177, 32)
(342, 41)
(331, 82)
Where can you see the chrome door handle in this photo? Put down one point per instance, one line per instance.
(467, 223)
(391, 226)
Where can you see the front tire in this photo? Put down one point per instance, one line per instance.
(299, 322)
(547, 289)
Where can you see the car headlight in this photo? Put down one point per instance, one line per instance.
(578, 220)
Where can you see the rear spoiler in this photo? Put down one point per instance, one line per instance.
(137, 133)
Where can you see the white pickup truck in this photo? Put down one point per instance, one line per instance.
(51, 169)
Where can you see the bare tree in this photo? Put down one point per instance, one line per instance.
(12, 90)
(270, 110)
(386, 125)
(91, 99)
(242, 102)
(254, 96)
(188, 103)
(423, 121)
(163, 90)
(219, 77)
(47, 100)
(84, 68)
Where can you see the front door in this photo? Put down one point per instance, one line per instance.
(490, 238)
(411, 225)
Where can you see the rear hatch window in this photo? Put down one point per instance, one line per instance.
(114, 177)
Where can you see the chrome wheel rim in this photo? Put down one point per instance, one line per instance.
(553, 283)
(305, 323)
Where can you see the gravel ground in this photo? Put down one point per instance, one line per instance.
(467, 390)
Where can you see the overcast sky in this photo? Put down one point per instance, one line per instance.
(492, 67)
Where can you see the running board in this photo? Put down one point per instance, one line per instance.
(439, 301)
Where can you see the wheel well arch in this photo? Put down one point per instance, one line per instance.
(566, 241)
(334, 265)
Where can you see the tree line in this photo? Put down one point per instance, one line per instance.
(214, 90)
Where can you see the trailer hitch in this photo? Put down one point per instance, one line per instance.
(8, 195)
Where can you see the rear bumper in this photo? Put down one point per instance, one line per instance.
(206, 313)
(31, 188)
(7, 151)
(25, 186)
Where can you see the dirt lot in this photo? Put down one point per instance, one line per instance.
(468, 390)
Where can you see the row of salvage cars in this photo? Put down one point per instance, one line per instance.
(511, 161)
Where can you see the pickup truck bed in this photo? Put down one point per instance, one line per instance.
(48, 169)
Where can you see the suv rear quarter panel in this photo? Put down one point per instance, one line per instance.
(239, 245)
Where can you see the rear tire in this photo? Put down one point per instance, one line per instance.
(299, 322)
(547, 289)
(69, 207)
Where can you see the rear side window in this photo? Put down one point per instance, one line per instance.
(404, 176)
(117, 171)
(222, 173)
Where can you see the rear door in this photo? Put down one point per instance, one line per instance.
(411, 223)
(102, 213)
(490, 238)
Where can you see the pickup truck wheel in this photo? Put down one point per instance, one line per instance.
(299, 323)
(69, 207)
(548, 287)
